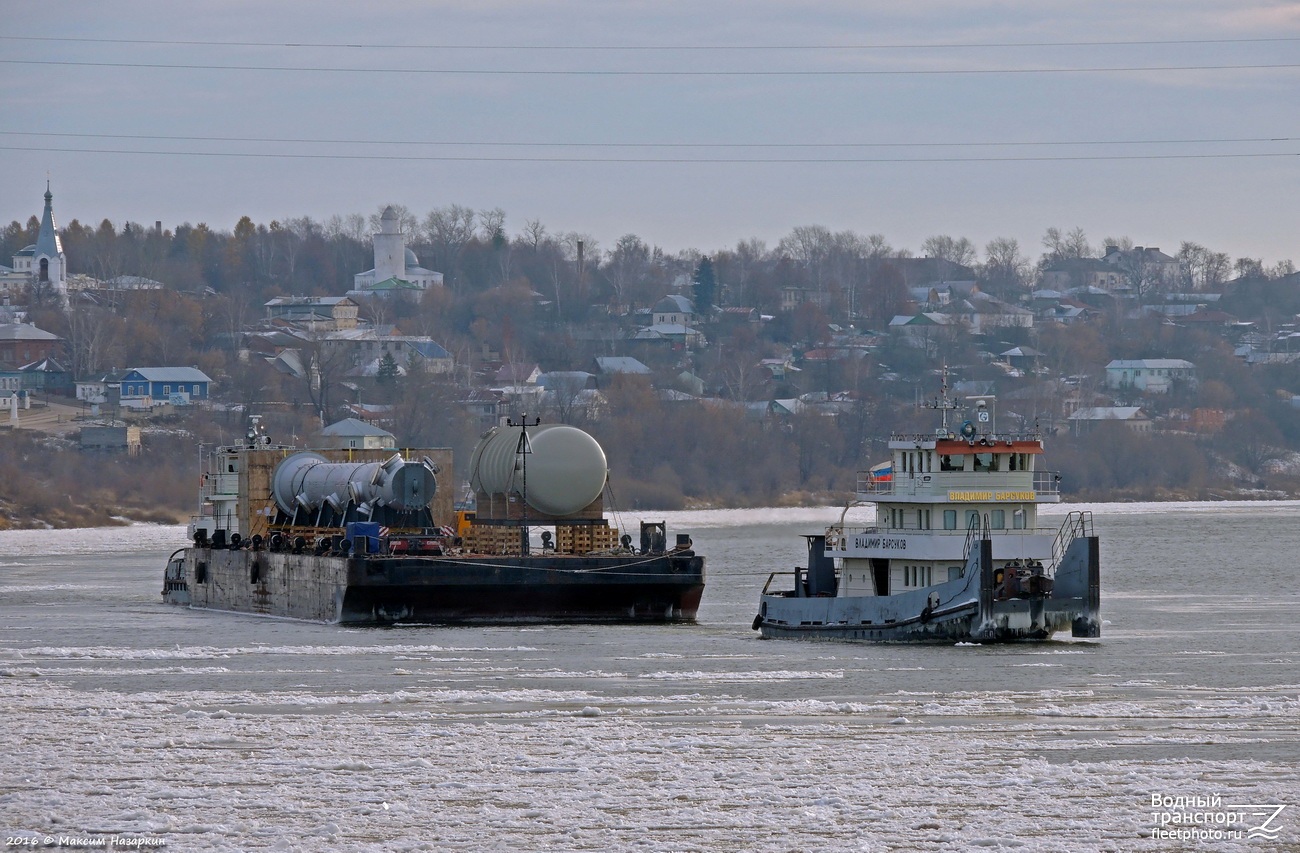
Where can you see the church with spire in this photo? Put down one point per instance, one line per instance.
(41, 268)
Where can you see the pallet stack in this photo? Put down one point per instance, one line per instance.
(584, 538)
(500, 540)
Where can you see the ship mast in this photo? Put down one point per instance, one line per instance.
(942, 403)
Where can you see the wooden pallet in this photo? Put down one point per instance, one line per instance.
(583, 538)
(494, 539)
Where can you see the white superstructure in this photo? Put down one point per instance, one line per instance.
(937, 488)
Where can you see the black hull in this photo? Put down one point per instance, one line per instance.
(474, 589)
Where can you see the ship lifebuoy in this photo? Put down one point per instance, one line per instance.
(967, 429)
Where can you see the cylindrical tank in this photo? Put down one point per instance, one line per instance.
(565, 469)
(307, 480)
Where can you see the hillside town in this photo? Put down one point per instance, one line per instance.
(746, 376)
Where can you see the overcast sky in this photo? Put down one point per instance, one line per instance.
(424, 114)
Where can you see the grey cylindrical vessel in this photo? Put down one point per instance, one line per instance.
(307, 480)
(564, 472)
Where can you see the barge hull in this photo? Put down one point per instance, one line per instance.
(463, 589)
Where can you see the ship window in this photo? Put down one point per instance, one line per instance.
(1011, 461)
(950, 519)
(999, 519)
(946, 463)
(1018, 519)
(995, 463)
(972, 518)
(954, 572)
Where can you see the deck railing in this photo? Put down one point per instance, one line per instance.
(1046, 483)
(1076, 524)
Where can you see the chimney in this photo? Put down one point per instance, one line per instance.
(157, 226)
(1110, 250)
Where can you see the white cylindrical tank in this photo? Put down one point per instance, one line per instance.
(564, 472)
(307, 480)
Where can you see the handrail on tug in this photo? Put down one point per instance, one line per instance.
(767, 586)
(973, 536)
(1077, 523)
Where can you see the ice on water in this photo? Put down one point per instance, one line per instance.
(219, 732)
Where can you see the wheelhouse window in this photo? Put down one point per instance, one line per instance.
(998, 519)
(950, 519)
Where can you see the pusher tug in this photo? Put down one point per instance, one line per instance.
(955, 553)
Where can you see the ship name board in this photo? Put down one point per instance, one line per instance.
(955, 495)
(883, 542)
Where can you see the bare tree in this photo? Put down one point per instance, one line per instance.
(627, 265)
(448, 229)
(535, 234)
(1004, 267)
(1200, 268)
(324, 363)
(1061, 246)
(959, 251)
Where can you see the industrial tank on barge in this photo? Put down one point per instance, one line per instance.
(365, 535)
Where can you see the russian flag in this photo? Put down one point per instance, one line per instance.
(882, 473)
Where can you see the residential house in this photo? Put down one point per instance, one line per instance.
(366, 347)
(1144, 267)
(670, 322)
(983, 313)
(143, 387)
(314, 313)
(793, 296)
(673, 309)
(1149, 375)
(918, 330)
(1081, 420)
(606, 367)
(21, 343)
(517, 374)
(1073, 273)
(353, 434)
(47, 376)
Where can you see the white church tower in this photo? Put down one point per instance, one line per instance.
(396, 267)
(43, 264)
(390, 247)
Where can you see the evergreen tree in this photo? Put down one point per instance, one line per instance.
(706, 287)
(386, 377)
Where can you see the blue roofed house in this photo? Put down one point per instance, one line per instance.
(143, 387)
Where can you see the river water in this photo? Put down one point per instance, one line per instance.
(126, 718)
